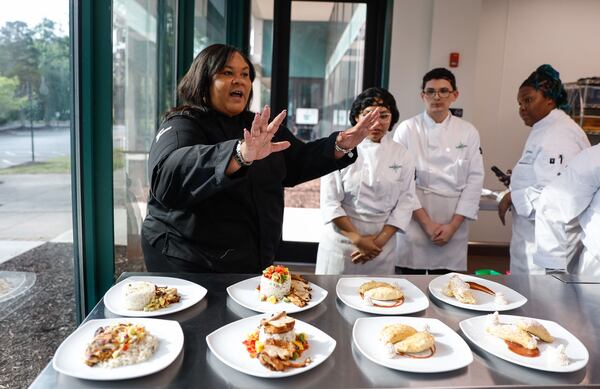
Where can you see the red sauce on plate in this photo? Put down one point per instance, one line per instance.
(481, 288)
(525, 352)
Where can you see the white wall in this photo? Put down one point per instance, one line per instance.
(500, 43)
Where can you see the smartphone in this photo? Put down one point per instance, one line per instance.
(505, 178)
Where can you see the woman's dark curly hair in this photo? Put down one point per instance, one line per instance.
(374, 96)
(546, 79)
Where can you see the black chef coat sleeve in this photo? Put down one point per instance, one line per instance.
(307, 161)
(184, 168)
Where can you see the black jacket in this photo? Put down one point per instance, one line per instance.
(224, 223)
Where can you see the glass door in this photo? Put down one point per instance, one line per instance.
(312, 58)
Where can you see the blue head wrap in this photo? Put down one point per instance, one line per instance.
(546, 79)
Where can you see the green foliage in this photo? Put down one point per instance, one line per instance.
(8, 101)
(38, 59)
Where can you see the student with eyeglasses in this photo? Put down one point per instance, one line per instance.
(449, 179)
(364, 204)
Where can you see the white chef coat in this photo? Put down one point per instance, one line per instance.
(569, 201)
(552, 143)
(449, 181)
(377, 189)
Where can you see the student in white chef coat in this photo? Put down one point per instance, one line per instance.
(553, 141)
(569, 204)
(364, 204)
(449, 180)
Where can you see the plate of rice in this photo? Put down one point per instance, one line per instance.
(277, 290)
(119, 348)
(144, 296)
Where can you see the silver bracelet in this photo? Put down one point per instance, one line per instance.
(239, 158)
(341, 149)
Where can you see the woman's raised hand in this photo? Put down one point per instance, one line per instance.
(257, 142)
(350, 138)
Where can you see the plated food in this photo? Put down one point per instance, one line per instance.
(278, 284)
(120, 344)
(475, 293)
(535, 343)
(277, 289)
(276, 345)
(522, 337)
(143, 296)
(271, 346)
(381, 295)
(115, 349)
(419, 345)
(146, 296)
(406, 341)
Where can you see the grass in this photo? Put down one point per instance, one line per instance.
(55, 165)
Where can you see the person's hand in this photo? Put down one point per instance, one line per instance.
(358, 257)
(506, 178)
(504, 206)
(442, 235)
(366, 245)
(257, 142)
(350, 138)
(430, 228)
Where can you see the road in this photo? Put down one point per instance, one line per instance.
(15, 145)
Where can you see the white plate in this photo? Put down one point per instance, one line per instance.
(69, 359)
(452, 352)
(414, 299)
(190, 294)
(226, 344)
(474, 329)
(246, 294)
(485, 302)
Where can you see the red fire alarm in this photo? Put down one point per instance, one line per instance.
(454, 60)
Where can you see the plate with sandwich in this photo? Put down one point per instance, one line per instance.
(381, 295)
(412, 344)
(271, 345)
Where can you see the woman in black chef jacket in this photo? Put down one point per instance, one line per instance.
(218, 171)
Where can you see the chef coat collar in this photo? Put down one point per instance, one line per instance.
(548, 119)
(432, 124)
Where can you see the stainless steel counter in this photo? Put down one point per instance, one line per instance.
(575, 306)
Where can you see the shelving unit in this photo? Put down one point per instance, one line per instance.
(584, 99)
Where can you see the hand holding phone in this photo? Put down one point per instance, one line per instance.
(503, 177)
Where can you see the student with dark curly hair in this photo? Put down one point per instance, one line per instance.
(364, 204)
(553, 141)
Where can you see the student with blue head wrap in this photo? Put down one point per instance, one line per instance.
(554, 139)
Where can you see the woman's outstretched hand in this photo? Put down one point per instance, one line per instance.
(257, 142)
(350, 138)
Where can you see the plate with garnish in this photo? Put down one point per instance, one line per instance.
(478, 294)
(147, 296)
(533, 343)
(277, 290)
(271, 345)
(381, 295)
(412, 344)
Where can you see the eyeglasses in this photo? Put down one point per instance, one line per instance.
(442, 92)
(384, 116)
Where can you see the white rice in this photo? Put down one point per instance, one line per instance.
(286, 336)
(136, 353)
(137, 294)
(270, 288)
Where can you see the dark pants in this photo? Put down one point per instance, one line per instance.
(409, 271)
(156, 261)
